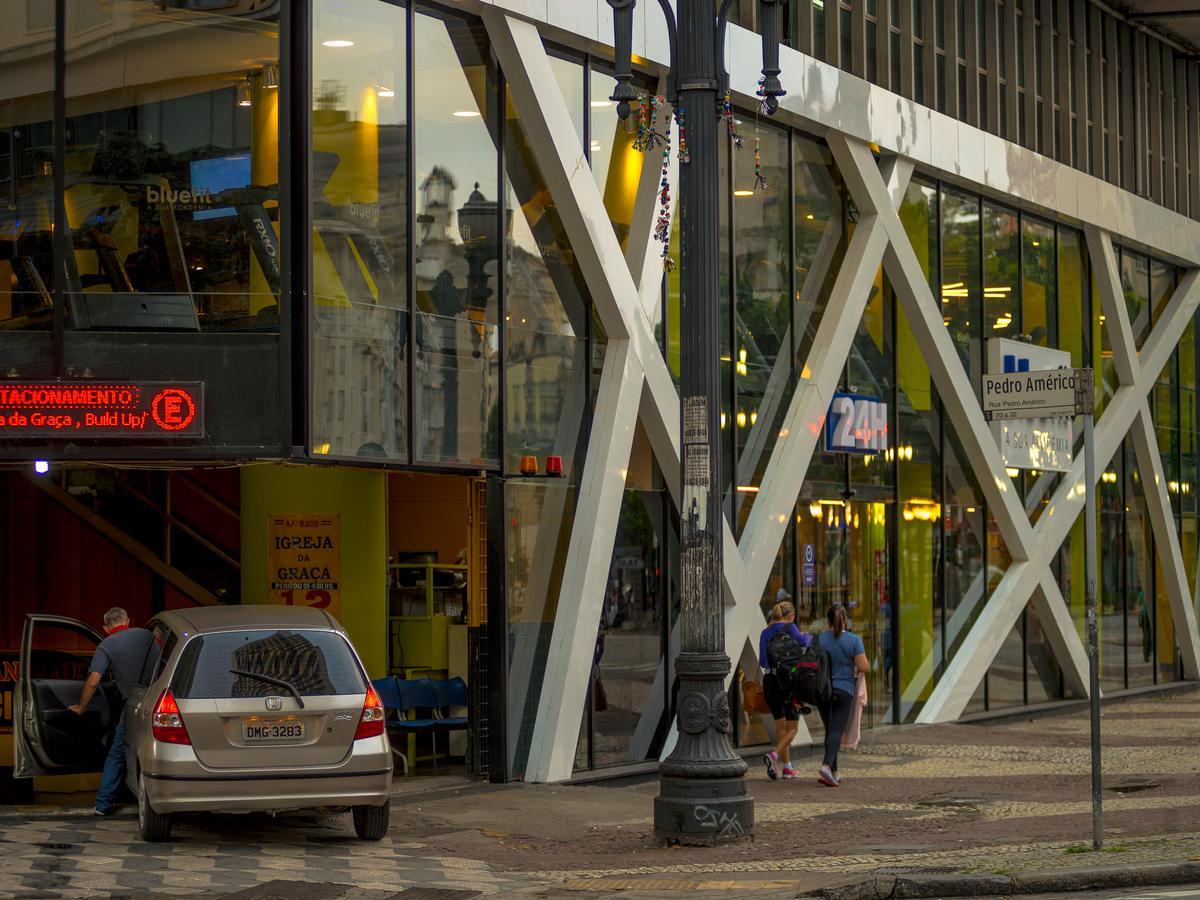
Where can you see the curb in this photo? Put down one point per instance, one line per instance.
(1047, 881)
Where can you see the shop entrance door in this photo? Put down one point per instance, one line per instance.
(843, 555)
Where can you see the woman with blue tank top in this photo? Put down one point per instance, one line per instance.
(848, 660)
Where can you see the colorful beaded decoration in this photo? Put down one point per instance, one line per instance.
(662, 227)
(730, 129)
(760, 180)
(684, 156)
(763, 106)
(648, 137)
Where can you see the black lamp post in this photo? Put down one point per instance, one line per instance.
(702, 796)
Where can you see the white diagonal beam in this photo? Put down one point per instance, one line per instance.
(1141, 374)
(1022, 579)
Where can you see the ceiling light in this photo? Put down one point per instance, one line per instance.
(743, 193)
(465, 113)
(270, 75)
(384, 91)
(41, 466)
(337, 44)
(243, 92)
(600, 104)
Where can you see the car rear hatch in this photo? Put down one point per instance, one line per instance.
(269, 698)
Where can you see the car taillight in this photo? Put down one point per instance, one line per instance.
(167, 722)
(370, 723)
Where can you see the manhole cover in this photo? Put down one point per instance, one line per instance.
(420, 831)
(1134, 788)
(954, 802)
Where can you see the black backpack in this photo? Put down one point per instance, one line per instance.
(802, 672)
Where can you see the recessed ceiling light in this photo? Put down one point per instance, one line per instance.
(337, 44)
(743, 193)
(466, 113)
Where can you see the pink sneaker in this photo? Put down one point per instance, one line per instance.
(770, 759)
(789, 773)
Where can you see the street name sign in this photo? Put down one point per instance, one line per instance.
(1029, 395)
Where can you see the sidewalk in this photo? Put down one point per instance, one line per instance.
(1001, 800)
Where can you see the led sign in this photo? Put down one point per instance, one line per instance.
(84, 410)
(856, 424)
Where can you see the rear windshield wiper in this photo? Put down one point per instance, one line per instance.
(269, 679)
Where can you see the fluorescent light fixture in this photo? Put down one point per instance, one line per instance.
(465, 113)
(600, 104)
(41, 466)
(743, 193)
(337, 44)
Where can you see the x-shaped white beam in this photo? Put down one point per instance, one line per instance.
(1141, 378)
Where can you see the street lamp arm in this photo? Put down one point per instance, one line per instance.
(672, 34)
(722, 28)
(770, 89)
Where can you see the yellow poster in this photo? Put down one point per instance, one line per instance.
(304, 558)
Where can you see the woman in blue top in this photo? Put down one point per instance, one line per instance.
(848, 659)
(784, 709)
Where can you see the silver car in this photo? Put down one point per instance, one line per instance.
(238, 708)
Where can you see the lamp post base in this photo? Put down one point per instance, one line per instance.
(703, 812)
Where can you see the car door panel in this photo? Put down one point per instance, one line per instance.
(51, 739)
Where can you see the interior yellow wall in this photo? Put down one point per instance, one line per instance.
(359, 496)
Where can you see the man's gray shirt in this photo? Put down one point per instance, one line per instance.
(123, 652)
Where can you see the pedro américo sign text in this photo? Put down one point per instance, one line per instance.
(74, 410)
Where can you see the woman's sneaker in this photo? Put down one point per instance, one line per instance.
(788, 773)
(826, 777)
(770, 759)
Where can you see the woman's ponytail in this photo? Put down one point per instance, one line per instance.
(837, 619)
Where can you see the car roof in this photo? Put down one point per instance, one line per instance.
(205, 619)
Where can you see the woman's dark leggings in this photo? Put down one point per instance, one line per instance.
(834, 716)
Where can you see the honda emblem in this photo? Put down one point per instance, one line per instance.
(274, 703)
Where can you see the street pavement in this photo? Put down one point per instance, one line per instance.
(996, 799)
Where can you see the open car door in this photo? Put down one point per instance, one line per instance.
(49, 739)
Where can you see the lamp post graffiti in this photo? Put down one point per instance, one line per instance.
(702, 797)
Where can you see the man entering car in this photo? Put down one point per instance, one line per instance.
(122, 653)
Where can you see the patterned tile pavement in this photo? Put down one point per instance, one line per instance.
(1001, 798)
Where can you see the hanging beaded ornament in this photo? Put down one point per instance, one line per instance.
(684, 156)
(730, 129)
(760, 180)
(764, 106)
(648, 136)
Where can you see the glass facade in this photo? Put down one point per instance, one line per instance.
(431, 312)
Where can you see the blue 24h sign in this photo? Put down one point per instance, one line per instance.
(856, 424)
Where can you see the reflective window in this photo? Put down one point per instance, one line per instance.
(616, 165)
(1135, 283)
(960, 288)
(26, 173)
(359, 312)
(1001, 267)
(172, 197)
(1139, 596)
(457, 244)
(1039, 309)
(546, 318)
(763, 353)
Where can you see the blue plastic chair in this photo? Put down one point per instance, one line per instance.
(450, 694)
(388, 690)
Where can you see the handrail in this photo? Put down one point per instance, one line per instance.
(139, 551)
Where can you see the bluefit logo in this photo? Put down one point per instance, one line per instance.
(180, 201)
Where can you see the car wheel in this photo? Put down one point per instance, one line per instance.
(153, 826)
(371, 822)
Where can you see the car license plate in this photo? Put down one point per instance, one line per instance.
(272, 730)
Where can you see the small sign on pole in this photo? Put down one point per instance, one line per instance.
(1029, 395)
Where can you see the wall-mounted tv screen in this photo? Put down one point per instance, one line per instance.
(219, 174)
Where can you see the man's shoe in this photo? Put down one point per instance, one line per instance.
(102, 812)
(826, 777)
(769, 759)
